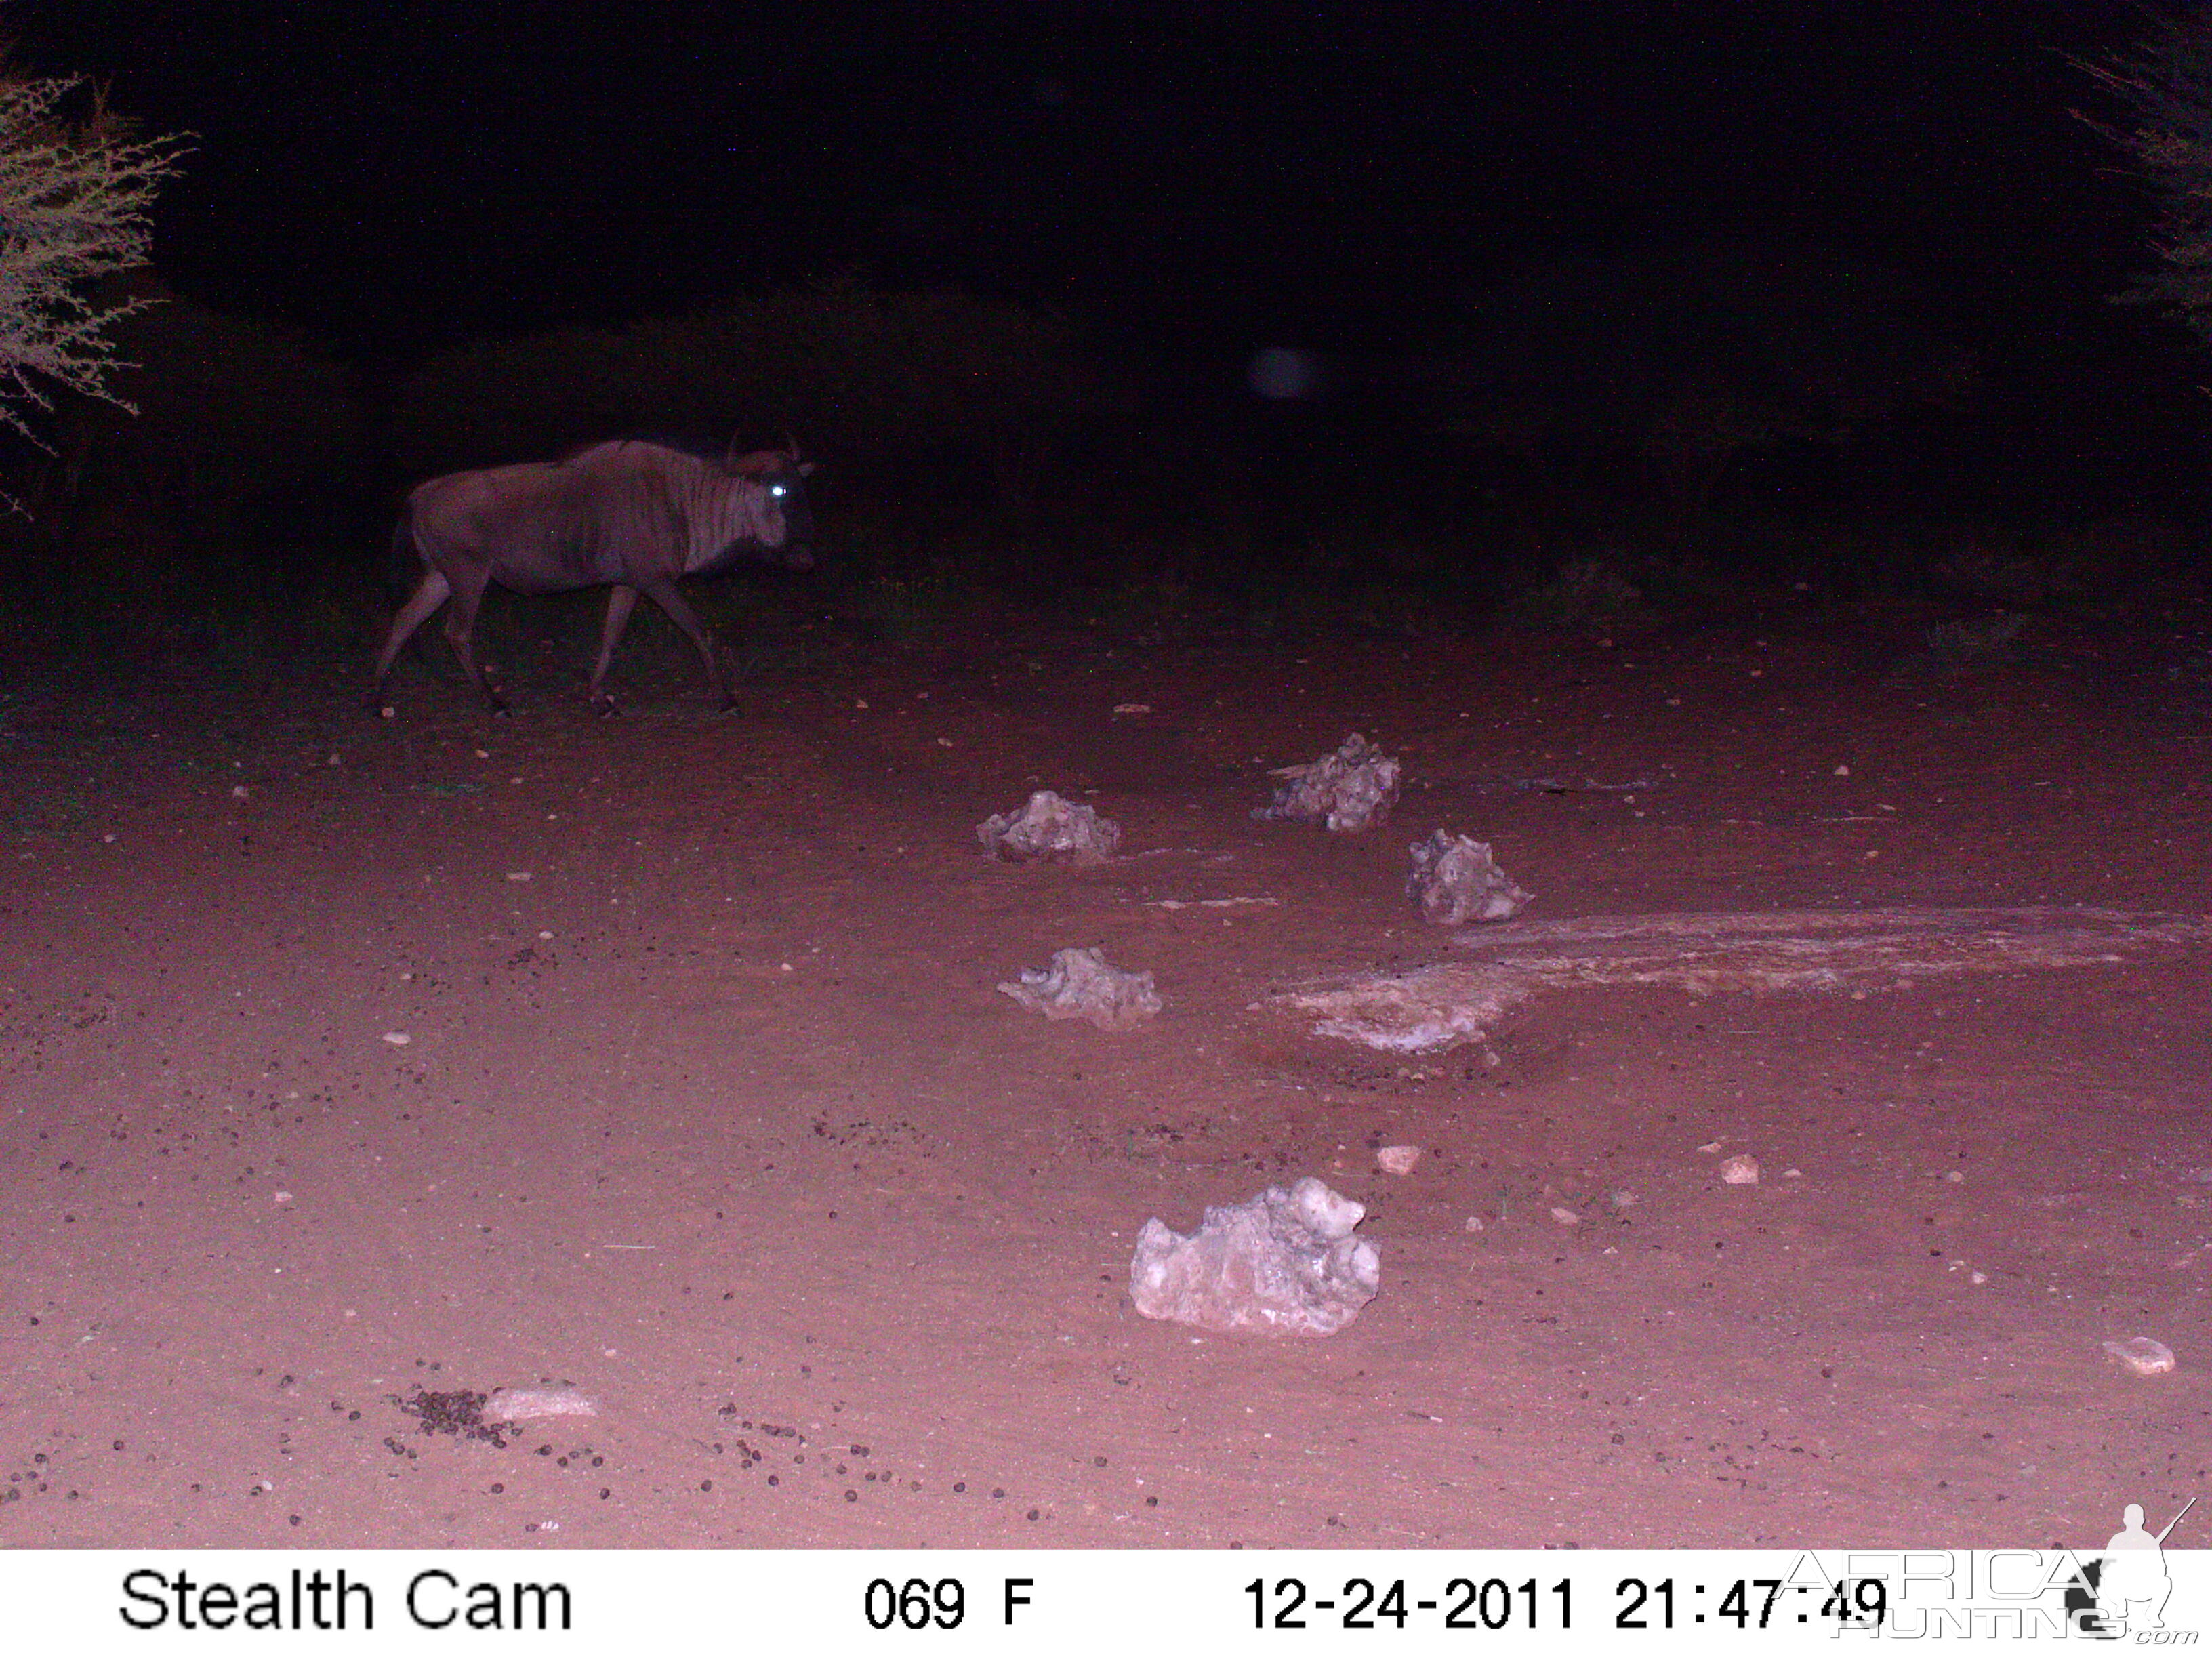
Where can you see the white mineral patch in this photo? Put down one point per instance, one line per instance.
(1050, 826)
(521, 1405)
(1351, 790)
(1280, 1262)
(1455, 881)
(1859, 951)
(1082, 985)
(1209, 904)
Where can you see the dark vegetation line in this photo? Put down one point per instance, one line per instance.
(1424, 330)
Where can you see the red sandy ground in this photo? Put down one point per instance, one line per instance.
(718, 1117)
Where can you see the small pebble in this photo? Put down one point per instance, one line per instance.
(1398, 1160)
(1740, 1171)
(1564, 1215)
(397, 1039)
(2145, 1356)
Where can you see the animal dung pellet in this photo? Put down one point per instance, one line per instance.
(1280, 1262)
(1397, 1160)
(1052, 828)
(1740, 1171)
(1351, 790)
(1082, 985)
(2145, 1356)
(521, 1405)
(1455, 880)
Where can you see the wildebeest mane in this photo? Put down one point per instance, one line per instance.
(699, 449)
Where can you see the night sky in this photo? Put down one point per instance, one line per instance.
(1177, 179)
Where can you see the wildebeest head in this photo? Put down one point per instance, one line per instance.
(783, 475)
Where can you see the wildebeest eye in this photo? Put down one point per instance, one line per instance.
(775, 490)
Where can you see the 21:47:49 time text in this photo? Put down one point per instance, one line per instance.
(1470, 1603)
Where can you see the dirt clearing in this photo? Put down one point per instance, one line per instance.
(353, 1070)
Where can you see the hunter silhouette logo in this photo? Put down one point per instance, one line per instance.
(2129, 1582)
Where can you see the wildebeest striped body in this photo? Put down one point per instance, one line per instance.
(632, 517)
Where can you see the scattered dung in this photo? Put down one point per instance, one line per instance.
(458, 1412)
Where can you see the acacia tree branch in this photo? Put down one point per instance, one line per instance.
(2165, 80)
(75, 197)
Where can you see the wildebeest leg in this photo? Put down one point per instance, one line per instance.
(460, 630)
(618, 608)
(433, 591)
(665, 596)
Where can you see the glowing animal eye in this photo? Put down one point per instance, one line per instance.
(775, 490)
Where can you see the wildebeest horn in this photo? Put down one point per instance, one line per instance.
(790, 444)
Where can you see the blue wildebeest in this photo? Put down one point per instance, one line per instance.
(635, 517)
